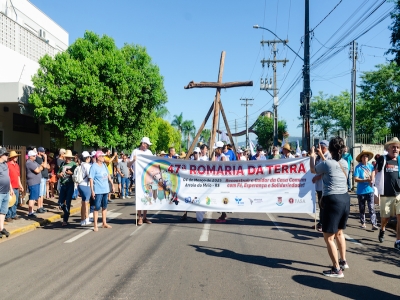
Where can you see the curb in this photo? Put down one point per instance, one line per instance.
(44, 222)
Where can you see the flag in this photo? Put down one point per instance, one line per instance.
(252, 152)
(298, 151)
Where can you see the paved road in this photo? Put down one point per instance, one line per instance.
(253, 256)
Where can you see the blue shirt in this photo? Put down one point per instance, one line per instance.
(231, 155)
(254, 157)
(363, 172)
(347, 157)
(99, 174)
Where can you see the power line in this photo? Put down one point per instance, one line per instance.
(326, 16)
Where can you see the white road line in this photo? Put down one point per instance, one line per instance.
(271, 217)
(138, 227)
(353, 240)
(206, 228)
(110, 216)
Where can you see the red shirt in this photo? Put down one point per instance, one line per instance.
(13, 171)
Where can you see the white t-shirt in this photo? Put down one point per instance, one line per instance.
(204, 158)
(243, 158)
(137, 152)
(290, 156)
(85, 173)
(219, 158)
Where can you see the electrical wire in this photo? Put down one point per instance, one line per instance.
(326, 16)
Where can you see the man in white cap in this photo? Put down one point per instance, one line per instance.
(142, 150)
(219, 156)
(390, 195)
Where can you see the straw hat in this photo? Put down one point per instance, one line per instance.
(182, 155)
(359, 156)
(287, 147)
(162, 153)
(68, 153)
(394, 140)
(13, 154)
(12, 200)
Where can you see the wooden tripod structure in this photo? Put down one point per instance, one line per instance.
(216, 106)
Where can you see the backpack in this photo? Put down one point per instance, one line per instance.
(77, 177)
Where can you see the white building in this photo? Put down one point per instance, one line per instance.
(26, 34)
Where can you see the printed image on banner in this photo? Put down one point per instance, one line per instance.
(275, 186)
(159, 183)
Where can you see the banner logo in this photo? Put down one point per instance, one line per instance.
(279, 203)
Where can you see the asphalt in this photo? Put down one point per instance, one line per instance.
(53, 214)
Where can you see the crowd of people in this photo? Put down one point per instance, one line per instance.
(92, 177)
(330, 162)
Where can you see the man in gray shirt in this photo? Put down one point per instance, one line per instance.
(33, 179)
(123, 170)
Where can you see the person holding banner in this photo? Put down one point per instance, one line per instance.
(335, 203)
(142, 150)
(286, 152)
(203, 152)
(219, 156)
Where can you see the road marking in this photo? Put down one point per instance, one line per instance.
(138, 227)
(110, 216)
(352, 240)
(271, 217)
(206, 228)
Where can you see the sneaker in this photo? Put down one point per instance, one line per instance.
(16, 218)
(110, 201)
(374, 227)
(91, 220)
(40, 210)
(363, 226)
(32, 215)
(343, 264)
(397, 245)
(5, 232)
(334, 273)
(83, 223)
(123, 197)
(381, 236)
(8, 220)
(88, 221)
(129, 197)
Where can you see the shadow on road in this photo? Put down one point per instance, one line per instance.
(275, 263)
(380, 273)
(351, 291)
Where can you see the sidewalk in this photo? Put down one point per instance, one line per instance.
(53, 214)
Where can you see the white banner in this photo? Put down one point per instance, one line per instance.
(274, 186)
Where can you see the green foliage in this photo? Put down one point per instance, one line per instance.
(168, 136)
(98, 93)
(331, 113)
(395, 35)
(205, 136)
(188, 129)
(379, 106)
(264, 129)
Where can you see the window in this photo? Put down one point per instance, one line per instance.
(24, 123)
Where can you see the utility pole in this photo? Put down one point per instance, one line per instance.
(306, 94)
(353, 50)
(236, 131)
(266, 86)
(247, 118)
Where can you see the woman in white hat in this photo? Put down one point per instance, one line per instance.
(84, 187)
(364, 175)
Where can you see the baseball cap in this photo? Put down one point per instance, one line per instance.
(146, 140)
(218, 144)
(32, 153)
(259, 148)
(3, 151)
(85, 154)
(275, 148)
(197, 150)
(304, 152)
(62, 151)
(99, 153)
(324, 143)
(93, 153)
(41, 149)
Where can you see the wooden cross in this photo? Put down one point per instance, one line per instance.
(216, 106)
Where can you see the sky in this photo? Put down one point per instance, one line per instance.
(186, 38)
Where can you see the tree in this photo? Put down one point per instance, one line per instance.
(205, 136)
(331, 113)
(177, 122)
(97, 93)
(161, 111)
(264, 129)
(395, 36)
(187, 129)
(380, 100)
(168, 136)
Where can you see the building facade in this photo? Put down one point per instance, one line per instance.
(26, 34)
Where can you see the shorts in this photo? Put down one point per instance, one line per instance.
(335, 212)
(42, 190)
(4, 198)
(34, 192)
(85, 192)
(110, 185)
(390, 206)
(118, 178)
(100, 200)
